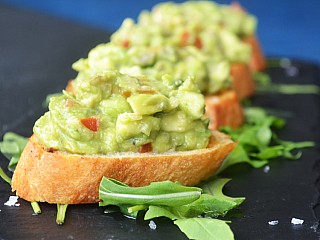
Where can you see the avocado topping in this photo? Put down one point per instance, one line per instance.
(113, 112)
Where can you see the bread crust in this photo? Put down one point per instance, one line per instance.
(257, 60)
(45, 175)
(224, 109)
(243, 82)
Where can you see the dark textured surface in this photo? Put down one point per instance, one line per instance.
(36, 57)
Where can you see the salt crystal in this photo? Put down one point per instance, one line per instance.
(266, 169)
(273, 222)
(296, 221)
(13, 201)
(152, 225)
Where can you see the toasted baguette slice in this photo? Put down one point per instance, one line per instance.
(257, 60)
(243, 82)
(224, 109)
(44, 175)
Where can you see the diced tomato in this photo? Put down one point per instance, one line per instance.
(198, 42)
(126, 94)
(147, 91)
(145, 148)
(237, 7)
(184, 39)
(126, 43)
(92, 123)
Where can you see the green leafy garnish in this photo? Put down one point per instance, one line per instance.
(195, 216)
(257, 141)
(262, 79)
(113, 192)
(61, 213)
(215, 188)
(12, 147)
(265, 85)
(205, 228)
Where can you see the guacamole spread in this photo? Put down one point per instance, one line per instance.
(200, 39)
(113, 112)
(142, 91)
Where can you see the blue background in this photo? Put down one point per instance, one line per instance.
(286, 28)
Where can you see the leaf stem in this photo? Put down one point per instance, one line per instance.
(137, 208)
(61, 213)
(4, 176)
(36, 208)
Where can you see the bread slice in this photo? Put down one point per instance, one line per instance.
(224, 109)
(257, 60)
(45, 175)
(243, 82)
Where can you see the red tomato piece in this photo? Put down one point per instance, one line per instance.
(145, 148)
(126, 43)
(126, 94)
(92, 123)
(198, 42)
(147, 91)
(184, 39)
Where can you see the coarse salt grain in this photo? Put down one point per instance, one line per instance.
(266, 169)
(13, 201)
(273, 222)
(152, 225)
(296, 221)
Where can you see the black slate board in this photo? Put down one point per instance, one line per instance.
(36, 56)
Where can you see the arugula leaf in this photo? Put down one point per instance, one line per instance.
(12, 147)
(207, 206)
(240, 155)
(166, 193)
(257, 141)
(194, 227)
(205, 228)
(213, 202)
(215, 188)
(161, 211)
(187, 215)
